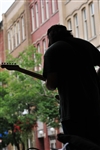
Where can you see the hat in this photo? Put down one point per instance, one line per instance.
(58, 28)
(56, 31)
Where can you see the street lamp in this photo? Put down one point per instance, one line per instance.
(41, 132)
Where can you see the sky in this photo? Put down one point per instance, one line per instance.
(4, 6)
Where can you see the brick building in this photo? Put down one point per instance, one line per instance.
(43, 15)
(16, 27)
(28, 24)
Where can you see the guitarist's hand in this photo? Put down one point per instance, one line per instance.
(51, 82)
(57, 97)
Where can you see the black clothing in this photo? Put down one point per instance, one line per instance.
(77, 143)
(77, 78)
(88, 128)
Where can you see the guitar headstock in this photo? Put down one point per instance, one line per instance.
(10, 66)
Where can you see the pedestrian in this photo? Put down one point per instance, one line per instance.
(69, 67)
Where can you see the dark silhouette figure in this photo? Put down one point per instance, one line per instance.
(78, 143)
(69, 66)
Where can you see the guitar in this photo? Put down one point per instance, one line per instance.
(17, 68)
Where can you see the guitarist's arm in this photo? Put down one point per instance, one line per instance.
(51, 82)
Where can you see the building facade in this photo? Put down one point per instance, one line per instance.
(16, 27)
(83, 18)
(43, 15)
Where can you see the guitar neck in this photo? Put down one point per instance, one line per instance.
(30, 73)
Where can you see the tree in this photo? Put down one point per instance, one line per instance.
(21, 92)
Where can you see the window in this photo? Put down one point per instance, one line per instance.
(39, 51)
(18, 33)
(44, 46)
(12, 45)
(53, 6)
(37, 16)
(42, 10)
(76, 26)
(15, 32)
(52, 142)
(32, 14)
(38, 48)
(69, 24)
(14, 36)
(35, 67)
(92, 20)
(17, 36)
(57, 4)
(47, 9)
(85, 24)
(9, 40)
(30, 141)
(23, 28)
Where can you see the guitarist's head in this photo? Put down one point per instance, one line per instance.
(58, 33)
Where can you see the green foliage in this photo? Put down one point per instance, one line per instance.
(19, 91)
